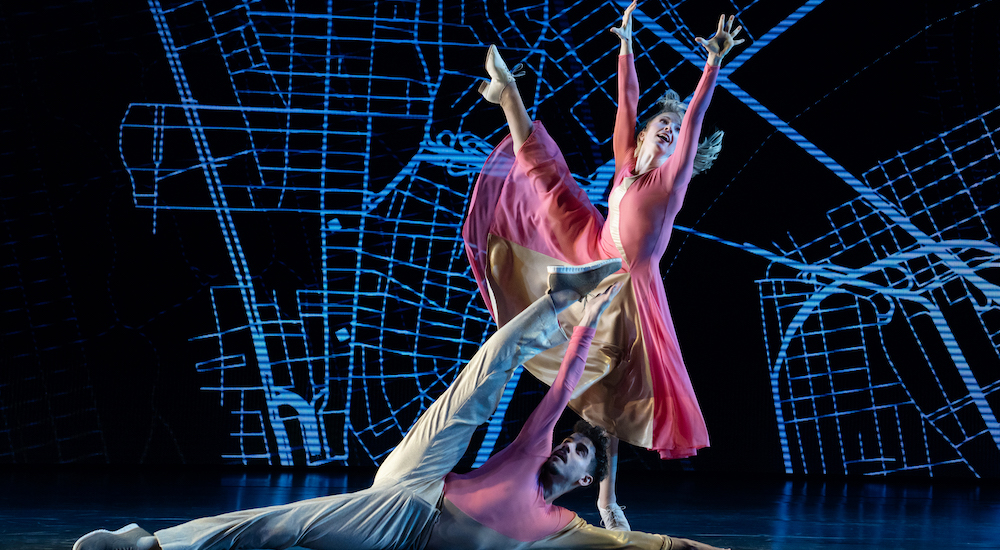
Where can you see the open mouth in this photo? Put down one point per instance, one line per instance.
(665, 138)
(560, 454)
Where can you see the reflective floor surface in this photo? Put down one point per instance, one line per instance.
(50, 510)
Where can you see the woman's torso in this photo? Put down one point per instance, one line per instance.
(641, 214)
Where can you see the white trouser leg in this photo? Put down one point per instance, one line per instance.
(396, 512)
(372, 519)
(441, 435)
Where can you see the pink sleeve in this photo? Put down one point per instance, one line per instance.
(537, 430)
(623, 140)
(680, 166)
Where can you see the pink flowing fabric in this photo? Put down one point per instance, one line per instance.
(531, 199)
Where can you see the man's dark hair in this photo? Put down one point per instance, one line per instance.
(599, 438)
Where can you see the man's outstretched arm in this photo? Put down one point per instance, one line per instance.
(581, 535)
(539, 426)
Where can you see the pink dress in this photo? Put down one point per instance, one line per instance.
(527, 212)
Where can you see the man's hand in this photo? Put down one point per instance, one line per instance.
(688, 544)
(720, 44)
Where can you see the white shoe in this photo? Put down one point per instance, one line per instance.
(612, 518)
(500, 76)
(581, 278)
(122, 539)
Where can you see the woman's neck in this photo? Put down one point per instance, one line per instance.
(645, 161)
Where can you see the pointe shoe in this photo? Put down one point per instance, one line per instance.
(125, 538)
(581, 278)
(500, 76)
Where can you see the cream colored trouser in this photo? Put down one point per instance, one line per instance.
(399, 509)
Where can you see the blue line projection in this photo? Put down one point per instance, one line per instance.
(299, 137)
(353, 119)
(912, 252)
(834, 415)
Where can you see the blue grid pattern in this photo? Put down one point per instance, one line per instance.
(922, 273)
(849, 407)
(300, 131)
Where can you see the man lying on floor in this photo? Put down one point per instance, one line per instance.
(415, 501)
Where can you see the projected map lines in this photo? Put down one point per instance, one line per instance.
(923, 284)
(347, 119)
(299, 137)
(889, 231)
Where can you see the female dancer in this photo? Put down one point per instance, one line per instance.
(526, 212)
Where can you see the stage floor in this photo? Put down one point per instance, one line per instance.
(50, 510)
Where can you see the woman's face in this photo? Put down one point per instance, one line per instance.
(660, 136)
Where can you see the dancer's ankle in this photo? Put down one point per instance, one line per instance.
(509, 95)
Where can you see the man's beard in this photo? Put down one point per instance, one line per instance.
(548, 469)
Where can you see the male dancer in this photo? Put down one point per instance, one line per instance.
(415, 502)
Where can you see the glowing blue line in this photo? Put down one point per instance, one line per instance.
(226, 223)
(192, 105)
(764, 40)
(852, 277)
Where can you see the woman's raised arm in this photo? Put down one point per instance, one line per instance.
(623, 139)
(723, 41)
(687, 141)
(624, 32)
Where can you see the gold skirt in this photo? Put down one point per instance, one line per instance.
(615, 391)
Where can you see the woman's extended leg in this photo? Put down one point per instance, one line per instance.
(612, 516)
(502, 89)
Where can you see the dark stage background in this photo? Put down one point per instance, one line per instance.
(230, 229)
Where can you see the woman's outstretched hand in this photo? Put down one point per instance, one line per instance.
(720, 44)
(624, 32)
(596, 304)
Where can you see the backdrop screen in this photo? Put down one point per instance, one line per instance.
(232, 229)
